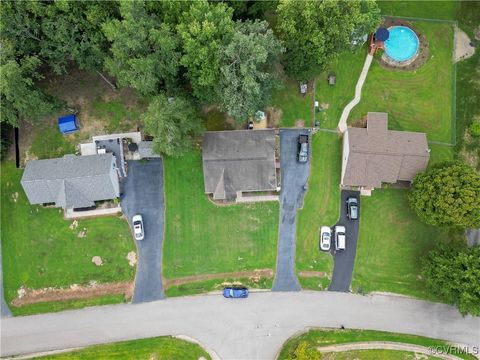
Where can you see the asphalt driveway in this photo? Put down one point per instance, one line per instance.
(143, 194)
(344, 260)
(294, 176)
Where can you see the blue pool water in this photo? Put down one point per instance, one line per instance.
(402, 43)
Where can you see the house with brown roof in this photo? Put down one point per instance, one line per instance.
(376, 155)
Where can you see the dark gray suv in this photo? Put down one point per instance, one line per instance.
(352, 208)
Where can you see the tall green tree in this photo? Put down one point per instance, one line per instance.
(315, 32)
(204, 29)
(144, 51)
(19, 98)
(447, 195)
(173, 123)
(452, 272)
(247, 76)
(58, 32)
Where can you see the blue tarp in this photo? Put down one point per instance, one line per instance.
(67, 124)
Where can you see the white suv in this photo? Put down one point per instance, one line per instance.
(339, 237)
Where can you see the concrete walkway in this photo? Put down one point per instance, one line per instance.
(253, 328)
(342, 124)
(386, 345)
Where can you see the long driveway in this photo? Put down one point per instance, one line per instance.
(344, 260)
(294, 178)
(143, 194)
(253, 328)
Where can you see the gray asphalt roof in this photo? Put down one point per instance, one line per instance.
(239, 160)
(71, 181)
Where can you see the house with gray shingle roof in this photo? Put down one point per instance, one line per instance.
(71, 182)
(376, 155)
(238, 161)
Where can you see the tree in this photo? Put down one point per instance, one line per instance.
(204, 28)
(247, 78)
(144, 51)
(315, 32)
(447, 195)
(174, 125)
(19, 97)
(58, 32)
(452, 272)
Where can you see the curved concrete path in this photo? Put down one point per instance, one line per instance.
(385, 345)
(253, 328)
(342, 124)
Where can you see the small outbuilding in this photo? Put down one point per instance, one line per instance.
(67, 124)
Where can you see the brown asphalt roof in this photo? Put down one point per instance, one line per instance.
(377, 155)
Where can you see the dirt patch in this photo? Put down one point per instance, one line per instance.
(75, 292)
(97, 260)
(255, 274)
(132, 258)
(300, 123)
(313, 274)
(273, 117)
(463, 49)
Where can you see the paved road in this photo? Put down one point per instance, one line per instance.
(143, 194)
(344, 260)
(294, 177)
(253, 328)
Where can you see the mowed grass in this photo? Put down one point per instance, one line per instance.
(418, 100)
(333, 98)
(40, 250)
(321, 206)
(161, 348)
(443, 10)
(374, 355)
(55, 306)
(293, 105)
(326, 337)
(391, 245)
(204, 238)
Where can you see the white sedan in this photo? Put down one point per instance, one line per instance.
(138, 232)
(325, 238)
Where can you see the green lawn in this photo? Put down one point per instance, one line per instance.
(391, 245)
(201, 287)
(375, 355)
(40, 250)
(204, 238)
(292, 104)
(444, 10)
(116, 116)
(46, 307)
(321, 206)
(418, 100)
(324, 337)
(160, 348)
(333, 99)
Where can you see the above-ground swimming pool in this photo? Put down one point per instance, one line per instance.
(402, 43)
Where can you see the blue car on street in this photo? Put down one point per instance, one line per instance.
(235, 292)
